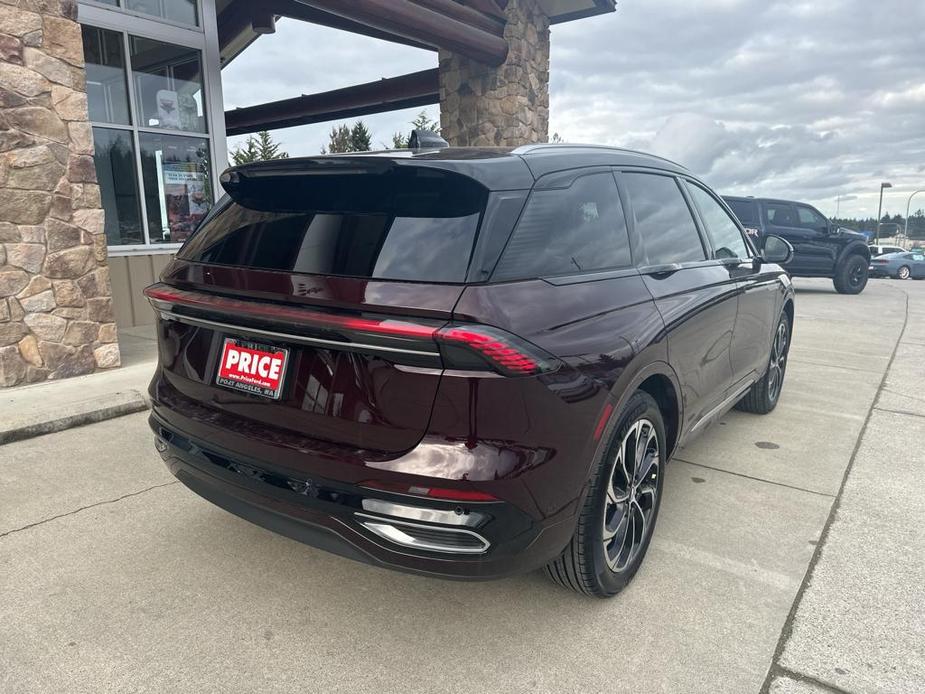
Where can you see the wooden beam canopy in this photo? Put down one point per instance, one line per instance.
(451, 8)
(416, 89)
(235, 24)
(414, 21)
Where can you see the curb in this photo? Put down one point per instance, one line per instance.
(89, 412)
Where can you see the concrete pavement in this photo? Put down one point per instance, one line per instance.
(113, 577)
(859, 622)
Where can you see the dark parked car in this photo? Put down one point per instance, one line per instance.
(901, 266)
(465, 363)
(820, 249)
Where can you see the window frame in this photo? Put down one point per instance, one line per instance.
(701, 221)
(636, 241)
(202, 38)
(144, 15)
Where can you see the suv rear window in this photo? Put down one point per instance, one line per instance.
(568, 231)
(745, 210)
(399, 226)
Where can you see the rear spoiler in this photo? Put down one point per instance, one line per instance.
(493, 172)
(237, 179)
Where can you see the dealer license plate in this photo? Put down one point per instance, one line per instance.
(252, 367)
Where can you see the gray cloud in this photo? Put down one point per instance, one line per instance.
(806, 99)
(796, 99)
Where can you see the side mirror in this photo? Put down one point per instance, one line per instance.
(776, 250)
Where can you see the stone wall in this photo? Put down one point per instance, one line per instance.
(56, 316)
(506, 105)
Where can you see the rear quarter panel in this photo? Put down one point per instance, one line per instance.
(604, 331)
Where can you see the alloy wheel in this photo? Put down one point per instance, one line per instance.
(778, 360)
(904, 273)
(631, 495)
(856, 275)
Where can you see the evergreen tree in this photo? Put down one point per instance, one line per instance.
(259, 147)
(339, 140)
(399, 141)
(344, 138)
(423, 122)
(361, 140)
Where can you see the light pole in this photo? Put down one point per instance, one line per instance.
(880, 208)
(908, 205)
(839, 198)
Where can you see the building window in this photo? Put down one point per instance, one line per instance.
(107, 94)
(178, 191)
(168, 85)
(179, 11)
(153, 154)
(114, 156)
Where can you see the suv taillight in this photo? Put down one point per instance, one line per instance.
(462, 344)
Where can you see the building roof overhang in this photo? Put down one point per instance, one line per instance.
(473, 28)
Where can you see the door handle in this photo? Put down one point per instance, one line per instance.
(662, 270)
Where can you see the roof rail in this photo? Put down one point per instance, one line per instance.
(529, 149)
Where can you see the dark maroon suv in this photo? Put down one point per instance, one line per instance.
(466, 363)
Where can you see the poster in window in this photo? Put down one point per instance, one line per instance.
(185, 198)
(168, 109)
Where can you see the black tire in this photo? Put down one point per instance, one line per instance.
(590, 564)
(903, 273)
(851, 276)
(762, 397)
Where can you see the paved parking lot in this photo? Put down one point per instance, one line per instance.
(113, 577)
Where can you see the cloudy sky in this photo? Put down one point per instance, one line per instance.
(809, 100)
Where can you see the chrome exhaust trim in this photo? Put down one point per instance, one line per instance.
(419, 513)
(430, 538)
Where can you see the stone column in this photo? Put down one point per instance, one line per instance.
(506, 105)
(56, 317)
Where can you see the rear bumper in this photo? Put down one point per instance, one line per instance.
(876, 271)
(348, 519)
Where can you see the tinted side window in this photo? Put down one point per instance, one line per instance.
(725, 234)
(780, 215)
(809, 218)
(568, 231)
(663, 220)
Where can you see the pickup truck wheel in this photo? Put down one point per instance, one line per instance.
(762, 397)
(903, 273)
(851, 275)
(620, 510)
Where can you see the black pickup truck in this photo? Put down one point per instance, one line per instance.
(820, 249)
